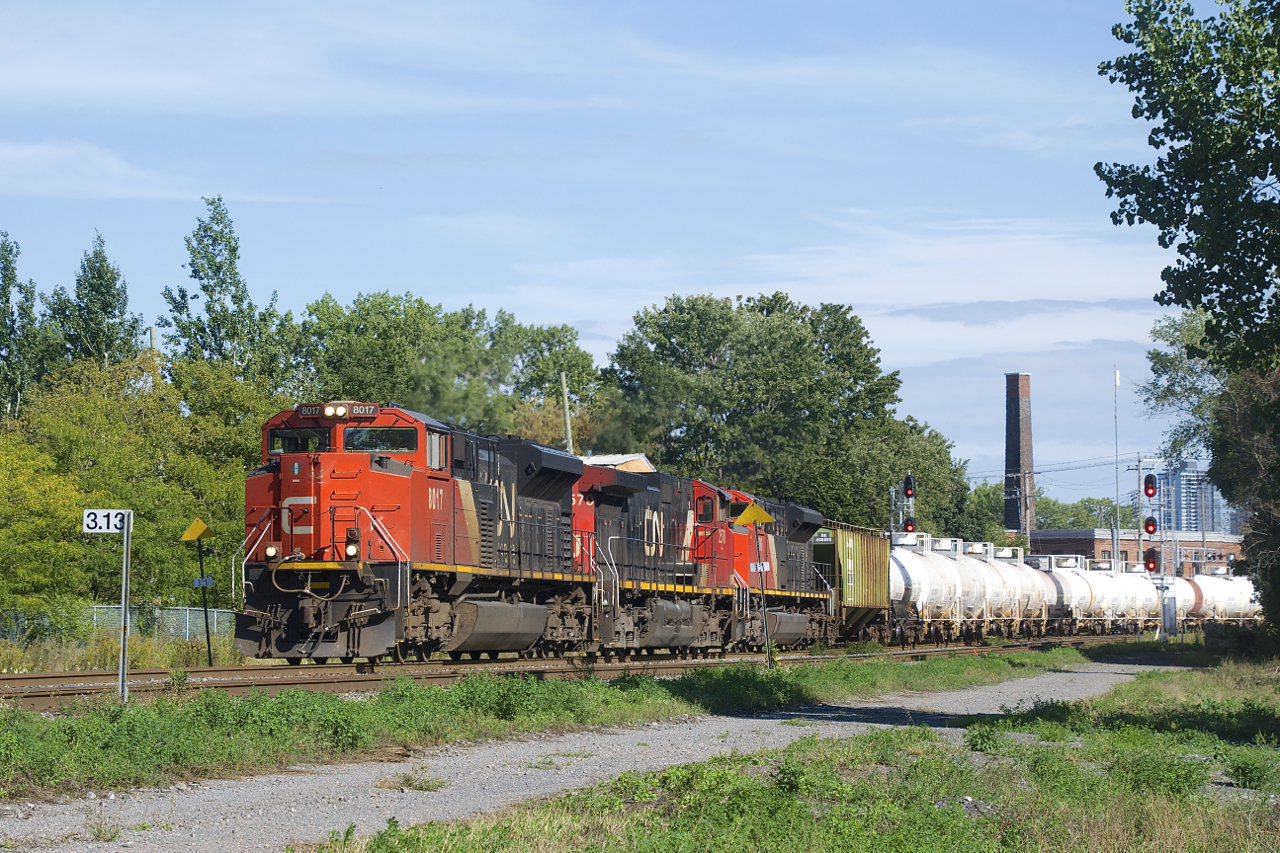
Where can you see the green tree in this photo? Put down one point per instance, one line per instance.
(780, 399)
(170, 451)
(228, 326)
(1207, 88)
(95, 322)
(478, 372)
(1084, 513)
(45, 555)
(368, 350)
(27, 342)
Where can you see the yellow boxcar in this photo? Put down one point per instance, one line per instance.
(859, 569)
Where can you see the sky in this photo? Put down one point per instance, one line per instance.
(928, 163)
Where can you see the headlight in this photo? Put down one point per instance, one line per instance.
(271, 551)
(328, 411)
(342, 411)
(352, 549)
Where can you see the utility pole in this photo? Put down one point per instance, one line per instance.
(568, 429)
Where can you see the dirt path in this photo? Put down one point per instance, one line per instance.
(265, 813)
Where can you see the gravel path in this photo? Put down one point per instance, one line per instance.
(265, 813)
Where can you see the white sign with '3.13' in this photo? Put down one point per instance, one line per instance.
(105, 520)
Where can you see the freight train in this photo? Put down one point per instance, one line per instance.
(376, 531)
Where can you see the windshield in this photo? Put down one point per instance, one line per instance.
(301, 440)
(384, 439)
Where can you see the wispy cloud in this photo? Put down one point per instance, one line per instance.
(75, 169)
(893, 259)
(394, 58)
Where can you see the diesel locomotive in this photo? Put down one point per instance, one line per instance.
(372, 530)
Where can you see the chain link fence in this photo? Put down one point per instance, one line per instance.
(183, 623)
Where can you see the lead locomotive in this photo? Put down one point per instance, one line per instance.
(373, 530)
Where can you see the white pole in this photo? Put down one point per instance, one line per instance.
(1115, 536)
(124, 609)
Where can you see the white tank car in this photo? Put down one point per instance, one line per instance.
(1224, 597)
(923, 584)
(952, 581)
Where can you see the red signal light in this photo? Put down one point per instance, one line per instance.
(909, 525)
(1149, 560)
(1150, 525)
(1149, 485)
(909, 487)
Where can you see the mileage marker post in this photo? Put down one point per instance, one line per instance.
(754, 515)
(117, 521)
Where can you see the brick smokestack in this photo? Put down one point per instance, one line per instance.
(1019, 484)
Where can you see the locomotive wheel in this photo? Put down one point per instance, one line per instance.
(350, 659)
(399, 653)
(455, 655)
(294, 661)
(320, 661)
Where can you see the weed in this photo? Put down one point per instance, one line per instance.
(100, 826)
(1250, 767)
(985, 738)
(413, 780)
(796, 721)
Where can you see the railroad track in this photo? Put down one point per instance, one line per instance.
(49, 691)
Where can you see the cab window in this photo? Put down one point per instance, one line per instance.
(380, 439)
(706, 510)
(300, 440)
(737, 508)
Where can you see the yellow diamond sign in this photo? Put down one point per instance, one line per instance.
(197, 530)
(754, 514)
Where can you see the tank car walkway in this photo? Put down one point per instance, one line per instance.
(267, 812)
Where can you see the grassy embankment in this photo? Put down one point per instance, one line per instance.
(191, 734)
(1123, 772)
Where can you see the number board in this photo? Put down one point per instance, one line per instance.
(105, 520)
(310, 411)
(364, 410)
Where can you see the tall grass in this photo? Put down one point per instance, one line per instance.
(101, 651)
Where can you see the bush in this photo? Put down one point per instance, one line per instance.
(1251, 768)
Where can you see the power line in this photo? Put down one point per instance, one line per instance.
(1058, 467)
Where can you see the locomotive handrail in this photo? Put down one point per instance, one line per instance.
(267, 515)
(402, 557)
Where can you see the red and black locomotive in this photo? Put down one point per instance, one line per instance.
(373, 530)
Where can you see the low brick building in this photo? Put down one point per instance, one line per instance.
(1182, 550)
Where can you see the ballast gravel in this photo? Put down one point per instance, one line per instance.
(303, 804)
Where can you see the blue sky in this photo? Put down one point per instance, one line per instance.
(929, 163)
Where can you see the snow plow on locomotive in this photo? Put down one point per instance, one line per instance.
(372, 530)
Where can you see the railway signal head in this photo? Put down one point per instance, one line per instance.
(1150, 561)
(909, 526)
(1149, 485)
(1150, 525)
(909, 487)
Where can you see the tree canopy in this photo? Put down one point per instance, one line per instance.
(1207, 88)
